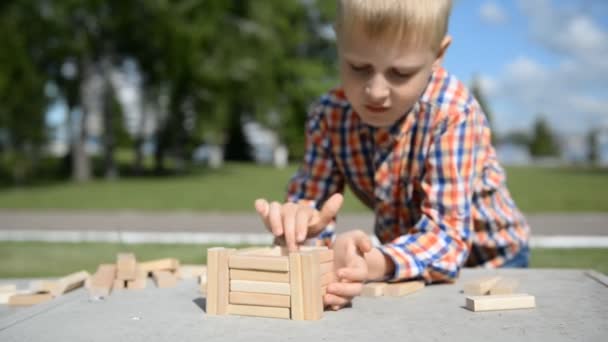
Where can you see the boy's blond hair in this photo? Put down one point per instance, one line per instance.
(415, 21)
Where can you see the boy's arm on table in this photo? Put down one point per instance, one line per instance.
(440, 243)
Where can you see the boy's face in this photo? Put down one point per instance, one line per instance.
(381, 80)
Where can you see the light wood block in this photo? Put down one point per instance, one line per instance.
(140, 282)
(29, 299)
(505, 286)
(218, 280)
(260, 287)
(297, 287)
(119, 284)
(5, 295)
(43, 286)
(311, 279)
(167, 264)
(500, 302)
(325, 254)
(326, 267)
(258, 311)
(328, 278)
(480, 286)
(261, 299)
(70, 282)
(126, 266)
(262, 263)
(375, 289)
(402, 289)
(164, 279)
(8, 288)
(101, 282)
(261, 251)
(190, 271)
(275, 277)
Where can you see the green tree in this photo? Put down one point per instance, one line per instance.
(593, 147)
(543, 143)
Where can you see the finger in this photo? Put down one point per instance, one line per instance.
(363, 243)
(328, 212)
(288, 213)
(263, 209)
(335, 302)
(345, 290)
(352, 274)
(303, 216)
(274, 219)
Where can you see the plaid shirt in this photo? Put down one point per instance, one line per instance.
(432, 179)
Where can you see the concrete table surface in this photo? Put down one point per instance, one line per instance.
(571, 306)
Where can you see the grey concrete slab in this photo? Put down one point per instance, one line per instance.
(570, 307)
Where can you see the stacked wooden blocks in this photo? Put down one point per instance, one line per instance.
(268, 282)
(496, 293)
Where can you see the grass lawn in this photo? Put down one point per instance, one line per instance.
(235, 187)
(40, 259)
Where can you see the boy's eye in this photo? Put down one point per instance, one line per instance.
(400, 74)
(359, 68)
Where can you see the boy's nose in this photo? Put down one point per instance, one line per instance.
(376, 89)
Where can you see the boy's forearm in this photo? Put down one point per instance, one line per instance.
(379, 265)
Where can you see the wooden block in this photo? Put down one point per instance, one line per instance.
(327, 278)
(297, 289)
(258, 311)
(126, 266)
(275, 277)
(70, 282)
(29, 299)
(326, 267)
(164, 279)
(8, 288)
(500, 302)
(190, 271)
(43, 286)
(402, 289)
(261, 299)
(119, 284)
(311, 279)
(218, 280)
(102, 281)
(167, 264)
(260, 287)
(504, 286)
(140, 282)
(261, 251)
(480, 286)
(375, 289)
(262, 263)
(5, 295)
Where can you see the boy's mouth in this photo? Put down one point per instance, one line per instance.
(376, 109)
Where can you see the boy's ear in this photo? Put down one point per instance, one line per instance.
(443, 48)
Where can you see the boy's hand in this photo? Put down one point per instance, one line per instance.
(351, 268)
(296, 222)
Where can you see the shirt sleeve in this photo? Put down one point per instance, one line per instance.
(439, 243)
(318, 177)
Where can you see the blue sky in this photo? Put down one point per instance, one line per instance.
(535, 56)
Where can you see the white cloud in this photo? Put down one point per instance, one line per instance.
(491, 13)
(572, 93)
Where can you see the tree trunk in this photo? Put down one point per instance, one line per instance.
(111, 172)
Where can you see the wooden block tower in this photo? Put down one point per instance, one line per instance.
(268, 282)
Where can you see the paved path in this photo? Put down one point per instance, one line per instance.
(570, 306)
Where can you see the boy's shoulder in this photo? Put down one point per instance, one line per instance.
(445, 92)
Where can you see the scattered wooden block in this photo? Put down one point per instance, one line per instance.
(275, 277)
(140, 282)
(500, 302)
(70, 282)
(126, 266)
(119, 284)
(402, 289)
(164, 279)
(258, 311)
(261, 263)
(102, 281)
(375, 289)
(43, 286)
(190, 271)
(480, 286)
(28, 299)
(260, 287)
(167, 264)
(260, 299)
(8, 288)
(504, 286)
(6, 295)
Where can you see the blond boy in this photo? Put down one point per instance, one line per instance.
(412, 144)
